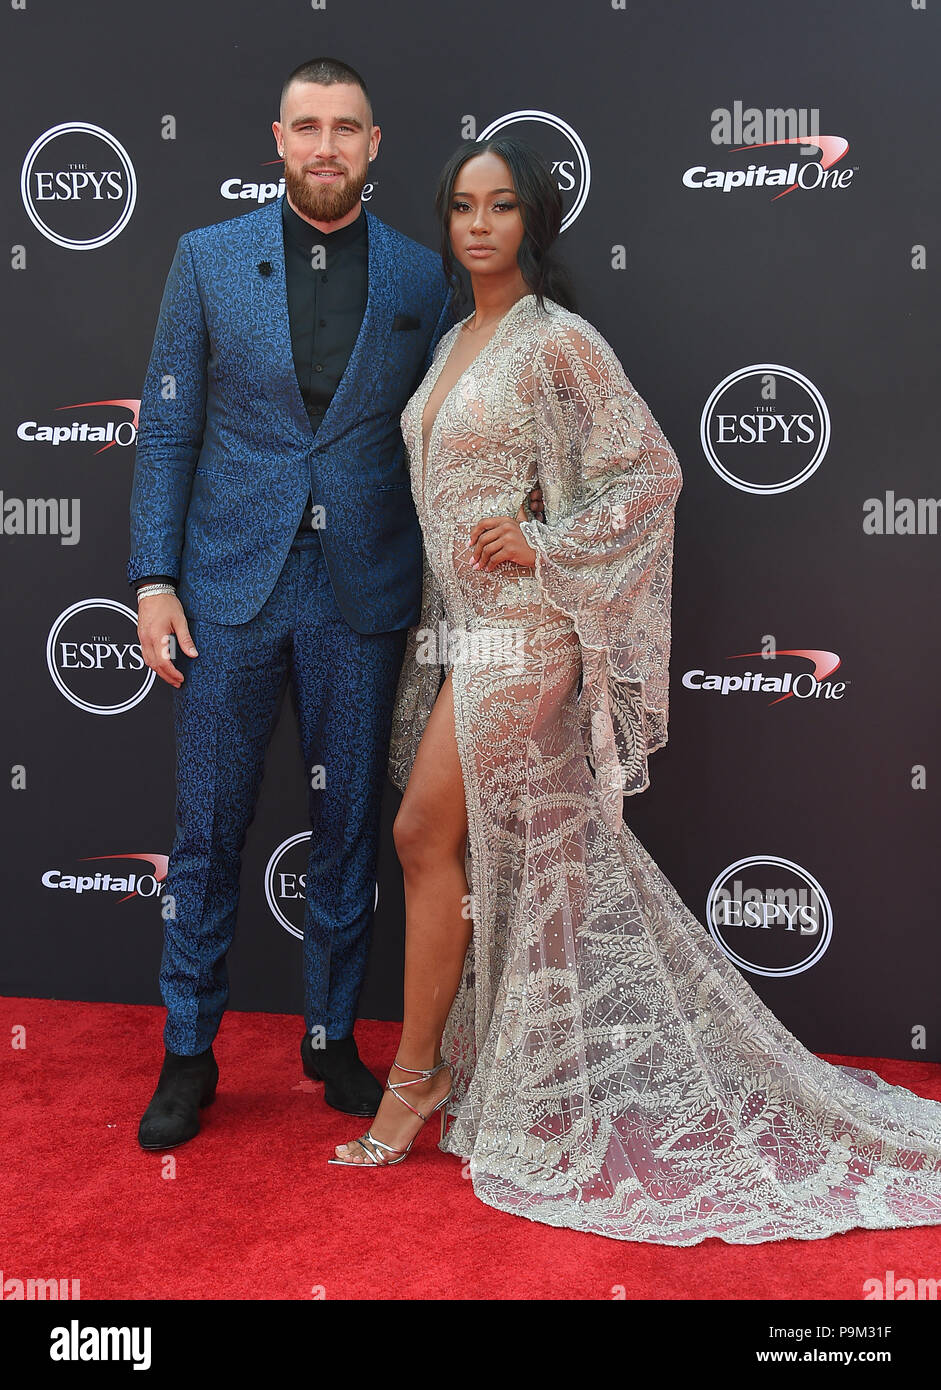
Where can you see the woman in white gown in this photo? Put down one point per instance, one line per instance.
(609, 1068)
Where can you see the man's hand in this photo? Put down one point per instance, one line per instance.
(497, 539)
(160, 619)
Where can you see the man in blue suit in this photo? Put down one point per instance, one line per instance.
(274, 541)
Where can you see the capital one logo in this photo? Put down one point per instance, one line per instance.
(122, 432)
(765, 428)
(266, 190)
(132, 885)
(561, 146)
(785, 131)
(769, 915)
(787, 685)
(78, 186)
(286, 883)
(94, 657)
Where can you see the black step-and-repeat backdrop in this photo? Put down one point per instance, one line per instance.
(751, 195)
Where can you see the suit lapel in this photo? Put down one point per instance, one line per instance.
(270, 305)
(273, 325)
(356, 383)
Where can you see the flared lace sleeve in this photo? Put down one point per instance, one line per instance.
(419, 682)
(610, 481)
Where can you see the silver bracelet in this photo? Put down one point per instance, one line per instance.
(148, 590)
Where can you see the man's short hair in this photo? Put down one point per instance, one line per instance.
(327, 71)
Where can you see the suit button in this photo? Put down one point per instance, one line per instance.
(318, 368)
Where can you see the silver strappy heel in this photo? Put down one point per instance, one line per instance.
(376, 1150)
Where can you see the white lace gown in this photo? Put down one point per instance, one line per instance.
(614, 1072)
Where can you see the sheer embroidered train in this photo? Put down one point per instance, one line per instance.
(613, 1071)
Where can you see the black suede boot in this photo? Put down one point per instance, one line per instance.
(348, 1085)
(186, 1084)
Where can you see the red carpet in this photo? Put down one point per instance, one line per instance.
(254, 1212)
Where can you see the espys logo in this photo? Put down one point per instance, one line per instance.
(561, 146)
(122, 432)
(132, 885)
(264, 191)
(286, 883)
(802, 685)
(769, 915)
(92, 662)
(78, 186)
(765, 429)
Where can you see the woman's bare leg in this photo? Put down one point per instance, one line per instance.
(430, 833)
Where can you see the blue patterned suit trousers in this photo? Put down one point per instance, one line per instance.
(343, 685)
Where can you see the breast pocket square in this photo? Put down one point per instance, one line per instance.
(405, 321)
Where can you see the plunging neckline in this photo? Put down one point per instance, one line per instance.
(427, 446)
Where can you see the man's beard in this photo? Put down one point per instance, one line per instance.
(327, 202)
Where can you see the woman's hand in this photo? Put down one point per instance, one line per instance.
(497, 540)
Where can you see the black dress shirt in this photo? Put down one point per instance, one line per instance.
(327, 284)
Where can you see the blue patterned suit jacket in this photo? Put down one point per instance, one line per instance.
(226, 453)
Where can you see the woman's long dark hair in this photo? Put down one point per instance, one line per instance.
(541, 209)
